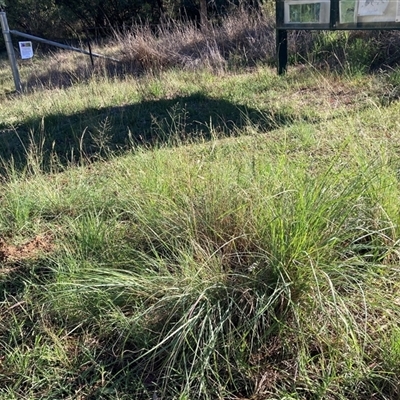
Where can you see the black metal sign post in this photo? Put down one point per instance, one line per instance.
(281, 50)
(331, 15)
(281, 39)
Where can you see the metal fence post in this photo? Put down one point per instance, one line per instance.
(10, 51)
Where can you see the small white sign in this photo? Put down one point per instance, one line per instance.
(26, 50)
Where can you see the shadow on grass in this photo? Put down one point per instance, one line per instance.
(97, 133)
(83, 71)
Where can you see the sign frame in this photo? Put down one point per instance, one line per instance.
(331, 15)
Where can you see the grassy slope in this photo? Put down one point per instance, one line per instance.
(201, 236)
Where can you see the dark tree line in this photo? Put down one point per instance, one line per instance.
(55, 19)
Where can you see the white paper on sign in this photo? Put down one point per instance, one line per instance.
(26, 50)
(372, 7)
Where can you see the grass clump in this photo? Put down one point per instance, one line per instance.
(198, 235)
(231, 269)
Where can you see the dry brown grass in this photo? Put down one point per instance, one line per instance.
(239, 38)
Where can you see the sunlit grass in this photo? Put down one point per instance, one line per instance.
(194, 235)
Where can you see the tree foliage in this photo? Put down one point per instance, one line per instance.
(56, 19)
(32, 16)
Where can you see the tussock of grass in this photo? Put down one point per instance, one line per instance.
(231, 269)
(200, 235)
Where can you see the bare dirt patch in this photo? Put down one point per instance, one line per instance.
(29, 250)
(331, 97)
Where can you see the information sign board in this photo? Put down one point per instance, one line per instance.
(338, 14)
(332, 15)
(307, 11)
